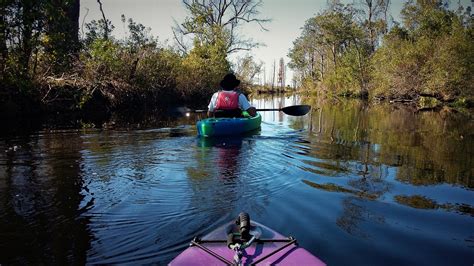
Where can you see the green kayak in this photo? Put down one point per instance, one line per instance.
(211, 127)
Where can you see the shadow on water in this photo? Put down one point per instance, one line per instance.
(115, 121)
(41, 202)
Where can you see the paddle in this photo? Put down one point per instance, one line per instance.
(294, 110)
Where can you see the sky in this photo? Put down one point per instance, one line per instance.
(288, 17)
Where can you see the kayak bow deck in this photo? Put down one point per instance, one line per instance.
(211, 127)
(263, 246)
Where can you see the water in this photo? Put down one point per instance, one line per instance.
(354, 183)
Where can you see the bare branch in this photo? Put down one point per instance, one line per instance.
(106, 31)
(214, 21)
(178, 34)
(83, 20)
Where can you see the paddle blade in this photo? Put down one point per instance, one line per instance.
(296, 110)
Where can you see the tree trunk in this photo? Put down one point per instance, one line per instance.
(334, 56)
(370, 26)
(3, 41)
(322, 67)
(106, 24)
(73, 16)
(62, 29)
(361, 65)
(26, 36)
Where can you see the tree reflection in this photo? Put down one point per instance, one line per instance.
(422, 202)
(370, 144)
(41, 197)
(428, 148)
(218, 166)
(354, 215)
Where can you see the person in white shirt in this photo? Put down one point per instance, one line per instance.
(229, 102)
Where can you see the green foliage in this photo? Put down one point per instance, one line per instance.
(202, 70)
(247, 69)
(22, 23)
(61, 39)
(139, 36)
(396, 66)
(463, 103)
(428, 102)
(158, 70)
(426, 18)
(41, 57)
(433, 55)
(349, 79)
(103, 60)
(98, 29)
(36, 36)
(333, 49)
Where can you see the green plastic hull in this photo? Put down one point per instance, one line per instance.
(211, 127)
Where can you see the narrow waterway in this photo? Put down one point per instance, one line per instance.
(355, 183)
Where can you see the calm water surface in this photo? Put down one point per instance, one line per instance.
(354, 183)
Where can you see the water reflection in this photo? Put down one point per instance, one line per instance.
(382, 135)
(372, 157)
(340, 189)
(345, 176)
(356, 214)
(42, 201)
(422, 202)
(427, 148)
(228, 155)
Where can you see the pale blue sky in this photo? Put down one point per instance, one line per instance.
(288, 16)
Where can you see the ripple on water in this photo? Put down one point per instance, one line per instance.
(139, 196)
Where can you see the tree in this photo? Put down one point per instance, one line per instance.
(218, 21)
(426, 17)
(106, 22)
(202, 68)
(139, 35)
(332, 49)
(430, 55)
(282, 73)
(98, 29)
(62, 32)
(247, 69)
(21, 28)
(375, 21)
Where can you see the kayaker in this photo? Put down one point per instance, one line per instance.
(228, 101)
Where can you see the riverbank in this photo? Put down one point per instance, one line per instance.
(72, 97)
(423, 102)
(427, 58)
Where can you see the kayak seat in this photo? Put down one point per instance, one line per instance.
(233, 113)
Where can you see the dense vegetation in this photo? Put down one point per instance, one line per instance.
(348, 50)
(46, 65)
(49, 63)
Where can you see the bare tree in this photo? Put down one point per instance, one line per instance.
(273, 77)
(376, 18)
(217, 22)
(281, 73)
(106, 22)
(247, 69)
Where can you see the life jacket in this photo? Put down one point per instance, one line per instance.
(227, 100)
